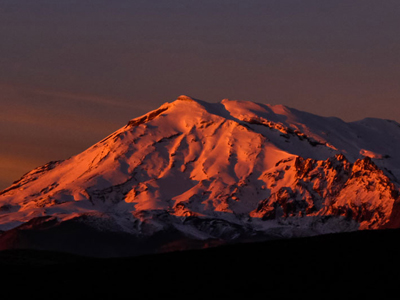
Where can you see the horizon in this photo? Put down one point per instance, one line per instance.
(72, 73)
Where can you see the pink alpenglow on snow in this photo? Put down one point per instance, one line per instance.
(197, 171)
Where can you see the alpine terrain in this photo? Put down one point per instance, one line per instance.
(193, 174)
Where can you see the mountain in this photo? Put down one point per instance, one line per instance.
(193, 174)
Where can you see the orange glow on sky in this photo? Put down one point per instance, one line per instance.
(72, 74)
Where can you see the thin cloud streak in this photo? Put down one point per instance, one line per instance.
(14, 166)
(90, 99)
(19, 91)
(38, 125)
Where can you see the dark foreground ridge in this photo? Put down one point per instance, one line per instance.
(358, 264)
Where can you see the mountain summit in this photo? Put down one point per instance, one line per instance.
(192, 173)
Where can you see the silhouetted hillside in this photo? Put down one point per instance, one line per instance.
(354, 264)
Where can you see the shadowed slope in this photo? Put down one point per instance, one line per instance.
(352, 264)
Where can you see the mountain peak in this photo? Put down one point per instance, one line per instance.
(185, 98)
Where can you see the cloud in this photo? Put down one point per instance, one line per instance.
(48, 108)
(37, 126)
(12, 167)
(90, 99)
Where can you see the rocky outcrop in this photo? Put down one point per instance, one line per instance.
(359, 191)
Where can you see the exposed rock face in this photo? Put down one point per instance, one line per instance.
(359, 191)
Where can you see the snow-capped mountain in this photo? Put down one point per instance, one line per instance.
(210, 173)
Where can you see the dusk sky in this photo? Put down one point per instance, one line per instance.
(72, 72)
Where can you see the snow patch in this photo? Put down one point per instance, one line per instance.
(371, 154)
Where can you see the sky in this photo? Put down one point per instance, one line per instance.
(74, 71)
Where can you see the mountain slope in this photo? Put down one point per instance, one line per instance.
(229, 171)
